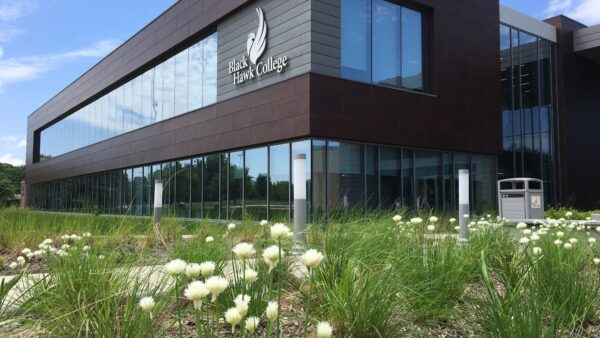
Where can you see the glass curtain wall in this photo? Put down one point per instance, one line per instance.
(382, 43)
(183, 83)
(526, 67)
(255, 184)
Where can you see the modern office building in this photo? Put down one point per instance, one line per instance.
(388, 100)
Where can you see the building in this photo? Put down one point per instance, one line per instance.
(388, 100)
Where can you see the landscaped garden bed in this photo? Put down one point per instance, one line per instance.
(379, 275)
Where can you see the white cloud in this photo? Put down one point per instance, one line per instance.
(13, 9)
(22, 143)
(10, 159)
(9, 33)
(19, 69)
(9, 139)
(98, 49)
(585, 11)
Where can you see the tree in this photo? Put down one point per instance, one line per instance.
(10, 182)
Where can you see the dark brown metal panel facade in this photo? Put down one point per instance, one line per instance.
(177, 25)
(271, 114)
(461, 114)
(578, 118)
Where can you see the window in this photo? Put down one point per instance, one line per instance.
(196, 187)
(279, 182)
(182, 193)
(255, 183)
(345, 181)
(211, 186)
(183, 83)
(382, 43)
(391, 177)
(236, 180)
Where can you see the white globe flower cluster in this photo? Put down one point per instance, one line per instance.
(47, 248)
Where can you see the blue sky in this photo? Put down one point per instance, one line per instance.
(46, 44)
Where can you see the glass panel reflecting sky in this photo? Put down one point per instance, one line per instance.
(183, 83)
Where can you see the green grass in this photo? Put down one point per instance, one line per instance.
(378, 278)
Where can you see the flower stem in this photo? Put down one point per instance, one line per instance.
(198, 322)
(308, 301)
(278, 331)
(178, 306)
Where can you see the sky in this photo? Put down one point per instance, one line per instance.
(47, 44)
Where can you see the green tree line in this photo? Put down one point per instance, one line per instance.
(10, 182)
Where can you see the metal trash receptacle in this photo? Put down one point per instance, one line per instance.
(521, 198)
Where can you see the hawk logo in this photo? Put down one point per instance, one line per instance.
(257, 43)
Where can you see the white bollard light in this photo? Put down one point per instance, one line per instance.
(299, 181)
(158, 195)
(463, 204)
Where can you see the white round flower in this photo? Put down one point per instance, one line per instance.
(312, 258)
(65, 237)
(47, 241)
(568, 214)
(241, 303)
(207, 269)
(526, 232)
(431, 227)
(250, 276)
(271, 256)
(592, 240)
(558, 242)
(244, 250)
(573, 240)
(216, 285)
(233, 317)
(452, 220)
(596, 261)
(21, 260)
(38, 253)
(489, 216)
(524, 240)
(209, 239)
(535, 237)
(75, 237)
(196, 291)
(86, 248)
(101, 257)
(416, 220)
(598, 228)
(251, 324)
(521, 225)
(29, 255)
(86, 235)
(175, 267)
(272, 311)
(264, 222)
(26, 251)
(457, 228)
(537, 250)
(280, 232)
(397, 218)
(62, 253)
(324, 330)
(433, 219)
(192, 271)
(560, 234)
(13, 265)
(231, 226)
(466, 216)
(65, 246)
(568, 246)
(147, 304)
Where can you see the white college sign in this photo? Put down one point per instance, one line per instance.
(248, 67)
